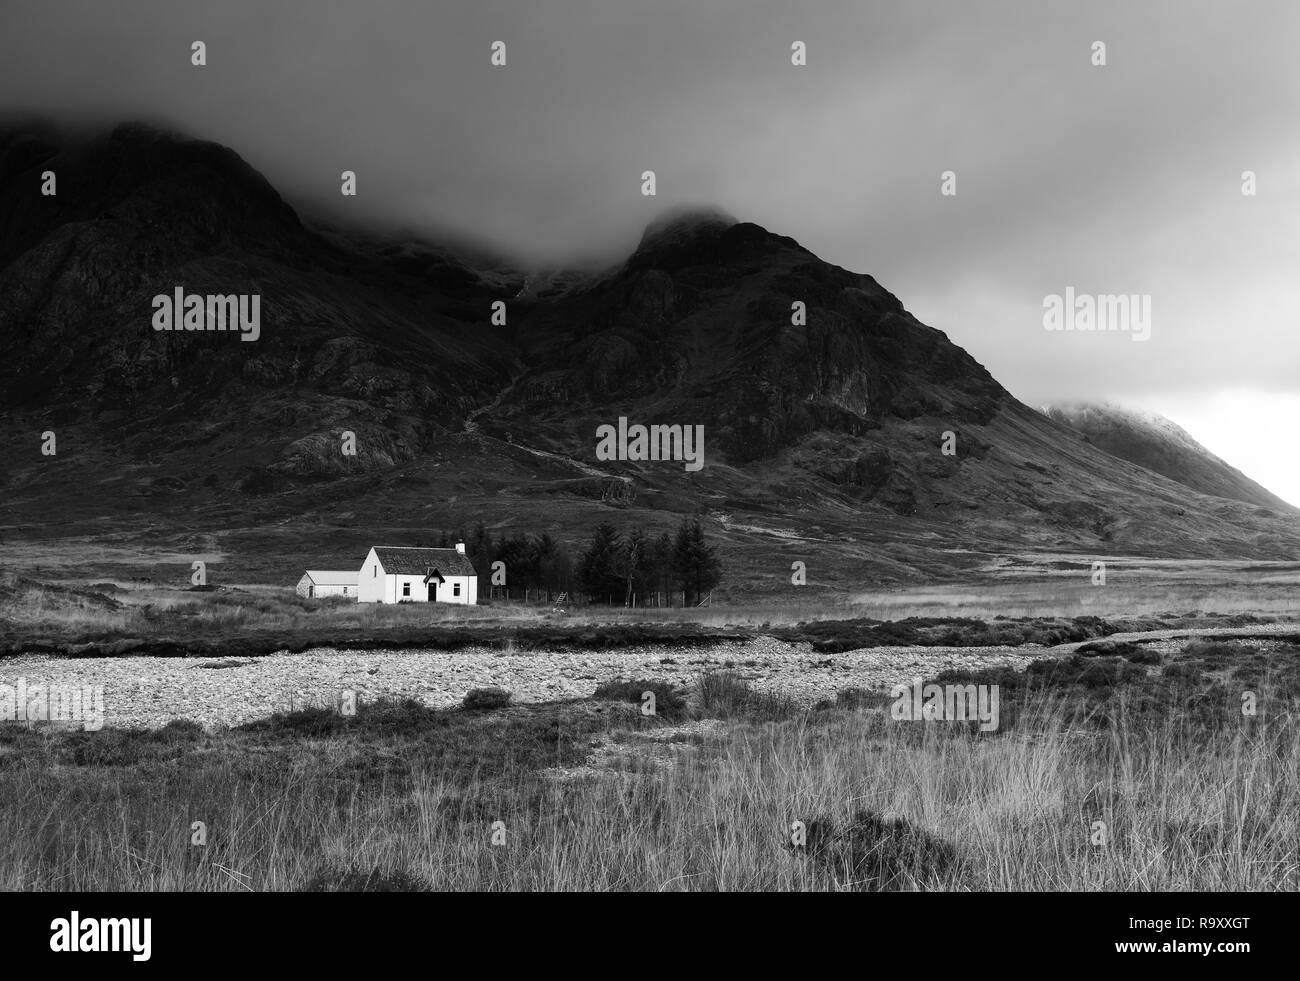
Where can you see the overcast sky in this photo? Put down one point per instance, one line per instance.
(1117, 179)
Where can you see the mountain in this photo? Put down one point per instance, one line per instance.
(824, 439)
(359, 333)
(1152, 441)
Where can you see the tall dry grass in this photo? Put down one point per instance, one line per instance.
(1181, 808)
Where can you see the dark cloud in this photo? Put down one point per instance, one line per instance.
(1117, 179)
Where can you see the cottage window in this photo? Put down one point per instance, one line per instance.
(374, 572)
(455, 589)
(406, 589)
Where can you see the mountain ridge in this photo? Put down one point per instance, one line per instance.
(1161, 445)
(829, 431)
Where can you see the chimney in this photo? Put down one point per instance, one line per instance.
(460, 547)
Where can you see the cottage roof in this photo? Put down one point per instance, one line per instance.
(333, 577)
(401, 561)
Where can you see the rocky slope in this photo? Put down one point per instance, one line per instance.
(1153, 442)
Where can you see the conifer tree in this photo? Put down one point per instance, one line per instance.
(598, 570)
(696, 567)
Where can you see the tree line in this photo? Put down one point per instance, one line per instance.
(615, 568)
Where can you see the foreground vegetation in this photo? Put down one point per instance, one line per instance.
(1117, 768)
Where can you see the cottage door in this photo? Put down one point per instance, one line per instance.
(433, 590)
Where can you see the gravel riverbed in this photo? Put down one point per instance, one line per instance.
(151, 691)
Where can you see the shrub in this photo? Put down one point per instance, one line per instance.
(875, 854)
(725, 695)
(1182, 671)
(1006, 678)
(1218, 649)
(315, 721)
(482, 699)
(1097, 673)
(181, 730)
(670, 704)
(132, 747)
(383, 717)
(1108, 648)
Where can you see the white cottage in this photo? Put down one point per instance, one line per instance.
(418, 575)
(317, 582)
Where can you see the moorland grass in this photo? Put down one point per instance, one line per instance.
(1106, 774)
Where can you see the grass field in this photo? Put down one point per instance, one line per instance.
(1106, 773)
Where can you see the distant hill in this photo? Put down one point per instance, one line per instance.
(1153, 442)
(823, 439)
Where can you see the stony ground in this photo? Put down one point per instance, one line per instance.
(151, 691)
